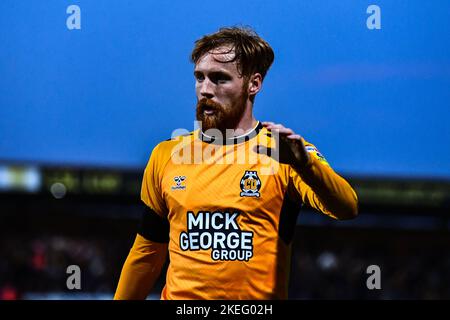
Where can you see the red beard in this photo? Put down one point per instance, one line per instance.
(224, 117)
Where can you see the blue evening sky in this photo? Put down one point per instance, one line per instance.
(375, 102)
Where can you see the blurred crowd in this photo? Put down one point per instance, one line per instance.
(319, 271)
(345, 273)
(39, 265)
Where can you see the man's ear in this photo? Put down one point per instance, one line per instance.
(255, 84)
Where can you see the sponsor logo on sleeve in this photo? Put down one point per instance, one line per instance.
(316, 154)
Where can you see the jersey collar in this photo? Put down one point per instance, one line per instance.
(235, 140)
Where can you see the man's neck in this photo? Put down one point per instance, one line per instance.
(243, 128)
(246, 124)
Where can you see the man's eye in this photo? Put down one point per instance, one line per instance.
(222, 81)
(199, 77)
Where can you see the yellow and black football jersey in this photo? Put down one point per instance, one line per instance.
(232, 212)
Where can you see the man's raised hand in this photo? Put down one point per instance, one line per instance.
(289, 148)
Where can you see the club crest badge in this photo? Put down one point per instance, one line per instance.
(179, 183)
(250, 184)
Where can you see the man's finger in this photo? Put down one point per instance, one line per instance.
(283, 131)
(275, 126)
(294, 137)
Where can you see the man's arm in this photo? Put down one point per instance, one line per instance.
(325, 190)
(319, 186)
(141, 269)
(146, 258)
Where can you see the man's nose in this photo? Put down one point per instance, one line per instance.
(207, 89)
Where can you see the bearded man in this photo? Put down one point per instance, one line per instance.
(228, 226)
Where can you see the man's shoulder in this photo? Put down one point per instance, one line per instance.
(166, 147)
(307, 143)
(179, 137)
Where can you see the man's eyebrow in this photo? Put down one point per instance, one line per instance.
(214, 72)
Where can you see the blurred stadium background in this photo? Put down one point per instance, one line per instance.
(81, 110)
